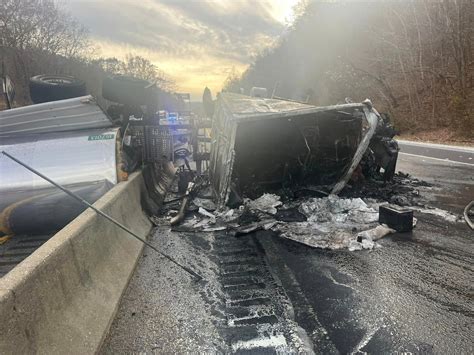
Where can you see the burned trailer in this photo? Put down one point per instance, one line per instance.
(261, 144)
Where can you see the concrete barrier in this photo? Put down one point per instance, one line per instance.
(63, 298)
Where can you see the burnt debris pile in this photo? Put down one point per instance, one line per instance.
(306, 215)
(402, 190)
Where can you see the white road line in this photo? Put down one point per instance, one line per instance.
(443, 160)
(439, 146)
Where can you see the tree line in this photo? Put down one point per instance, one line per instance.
(414, 59)
(40, 37)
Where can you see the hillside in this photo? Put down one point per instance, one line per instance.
(414, 61)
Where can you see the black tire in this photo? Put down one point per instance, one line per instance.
(45, 88)
(126, 90)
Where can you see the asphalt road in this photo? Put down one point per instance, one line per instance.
(449, 153)
(453, 176)
(414, 294)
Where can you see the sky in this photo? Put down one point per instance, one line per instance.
(197, 43)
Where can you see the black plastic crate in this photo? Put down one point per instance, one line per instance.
(398, 218)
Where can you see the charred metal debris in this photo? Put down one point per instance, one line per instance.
(305, 215)
(321, 176)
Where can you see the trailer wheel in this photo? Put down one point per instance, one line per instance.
(45, 88)
(126, 90)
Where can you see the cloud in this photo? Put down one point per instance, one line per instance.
(184, 37)
(189, 75)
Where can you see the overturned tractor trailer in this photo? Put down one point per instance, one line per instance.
(71, 141)
(261, 144)
(87, 150)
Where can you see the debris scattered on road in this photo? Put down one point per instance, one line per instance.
(265, 203)
(447, 216)
(338, 210)
(402, 190)
(366, 239)
(205, 203)
(335, 223)
(328, 222)
(205, 213)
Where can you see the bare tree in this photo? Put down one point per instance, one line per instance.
(143, 68)
(232, 82)
(41, 25)
(136, 66)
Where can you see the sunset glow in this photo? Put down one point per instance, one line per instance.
(197, 43)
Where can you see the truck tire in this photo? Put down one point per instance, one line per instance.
(126, 90)
(45, 88)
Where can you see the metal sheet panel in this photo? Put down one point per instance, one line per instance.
(66, 157)
(243, 107)
(64, 115)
